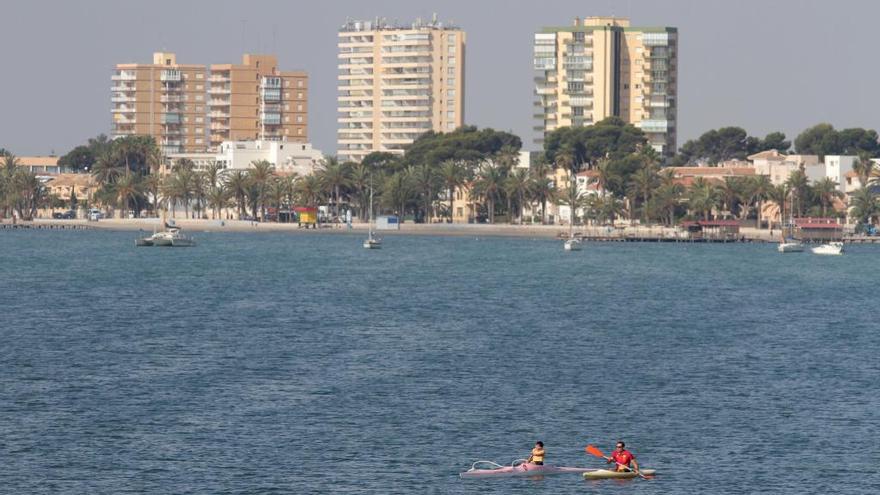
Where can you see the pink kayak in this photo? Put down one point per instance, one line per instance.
(488, 469)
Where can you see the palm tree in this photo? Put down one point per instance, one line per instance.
(516, 186)
(261, 175)
(642, 184)
(426, 183)
(289, 187)
(7, 186)
(507, 157)
(606, 176)
(865, 168)
(760, 188)
(152, 188)
(666, 198)
(309, 190)
(199, 191)
(107, 168)
(334, 176)
(218, 198)
(27, 192)
(128, 191)
(541, 191)
(779, 195)
(864, 205)
(826, 191)
(797, 183)
(452, 175)
(489, 186)
(703, 197)
(571, 196)
(398, 192)
(237, 187)
(360, 187)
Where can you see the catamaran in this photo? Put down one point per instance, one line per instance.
(372, 242)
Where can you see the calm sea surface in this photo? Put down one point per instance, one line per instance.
(302, 363)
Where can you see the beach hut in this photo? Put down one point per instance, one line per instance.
(307, 216)
(387, 222)
(818, 229)
(714, 230)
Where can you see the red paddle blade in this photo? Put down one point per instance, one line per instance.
(594, 451)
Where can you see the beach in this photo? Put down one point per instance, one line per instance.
(408, 228)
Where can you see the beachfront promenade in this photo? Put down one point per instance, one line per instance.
(629, 233)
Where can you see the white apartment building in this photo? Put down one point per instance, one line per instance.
(396, 83)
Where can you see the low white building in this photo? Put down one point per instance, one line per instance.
(285, 156)
(779, 166)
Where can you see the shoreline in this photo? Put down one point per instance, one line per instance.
(435, 229)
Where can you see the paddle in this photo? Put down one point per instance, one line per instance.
(598, 453)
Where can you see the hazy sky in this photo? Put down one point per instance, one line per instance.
(764, 65)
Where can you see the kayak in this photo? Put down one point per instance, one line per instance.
(602, 474)
(517, 468)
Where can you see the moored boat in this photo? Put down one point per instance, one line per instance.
(517, 468)
(602, 474)
(791, 246)
(830, 248)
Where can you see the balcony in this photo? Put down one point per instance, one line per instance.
(171, 99)
(123, 77)
(546, 91)
(122, 99)
(122, 110)
(270, 94)
(218, 79)
(120, 119)
(218, 103)
(217, 114)
(170, 75)
(653, 125)
(171, 118)
(216, 126)
(122, 89)
(270, 118)
(219, 90)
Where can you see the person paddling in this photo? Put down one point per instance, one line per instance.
(537, 457)
(625, 460)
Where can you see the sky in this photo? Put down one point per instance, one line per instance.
(760, 64)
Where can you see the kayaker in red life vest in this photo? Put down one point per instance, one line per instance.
(624, 459)
(537, 456)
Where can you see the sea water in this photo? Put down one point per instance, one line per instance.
(303, 363)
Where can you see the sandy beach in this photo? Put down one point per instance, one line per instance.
(435, 229)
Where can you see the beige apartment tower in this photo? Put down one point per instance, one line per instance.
(397, 82)
(602, 67)
(255, 100)
(164, 99)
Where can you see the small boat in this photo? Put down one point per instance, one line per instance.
(572, 244)
(372, 242)
(169, 238)
(604, 474)
(790, 246)
(489, 469)
(830, 248)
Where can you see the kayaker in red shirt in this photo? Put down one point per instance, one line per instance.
(625, 460)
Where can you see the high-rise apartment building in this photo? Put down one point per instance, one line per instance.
(397, 82)
(255, 100)
(602, 67)
(164, 99)
(187, 109)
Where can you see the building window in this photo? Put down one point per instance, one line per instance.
(450, 93)
(299, 108)
(286, 118)
(451, 61)
(299, 83)
(300, 132)
(299, 118)
(450, 115)
(200, 76)
(299, 96)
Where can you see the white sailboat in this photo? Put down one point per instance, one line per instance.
(790, 245)
(572, 243)
(372, 242)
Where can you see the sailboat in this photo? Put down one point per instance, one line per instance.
(790, 245)
(572, 243)
(372, 242)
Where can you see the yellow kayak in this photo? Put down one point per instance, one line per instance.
(602, 474)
